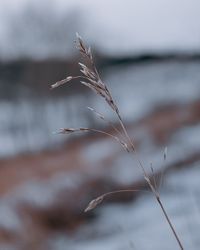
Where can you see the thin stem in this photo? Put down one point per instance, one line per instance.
(122, 143)
(154, 178)
(169, 222)
(156, 194)
(100, 88)
(123, 191)
(163, 170)
(103, 132)
(132, 145)
(102, 117)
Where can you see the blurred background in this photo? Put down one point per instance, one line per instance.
(148, 53)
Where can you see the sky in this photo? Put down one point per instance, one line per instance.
(113, 26)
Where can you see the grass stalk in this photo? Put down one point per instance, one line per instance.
(93, 81)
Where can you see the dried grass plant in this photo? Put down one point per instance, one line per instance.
(91, 79)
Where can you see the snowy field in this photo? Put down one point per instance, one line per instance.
(133, 225)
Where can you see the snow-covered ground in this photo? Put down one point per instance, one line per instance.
(41, 29)
(141, 225)
(134, 225)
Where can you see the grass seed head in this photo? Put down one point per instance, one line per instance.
(94, 203)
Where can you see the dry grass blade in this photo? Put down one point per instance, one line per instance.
(94, 82)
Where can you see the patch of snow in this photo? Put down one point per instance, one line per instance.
(9, 220)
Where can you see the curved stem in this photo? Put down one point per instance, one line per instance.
(122, 143)
(123, 191)
(101, 116)
(146, 177)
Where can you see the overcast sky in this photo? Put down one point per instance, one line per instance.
(114, 26)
